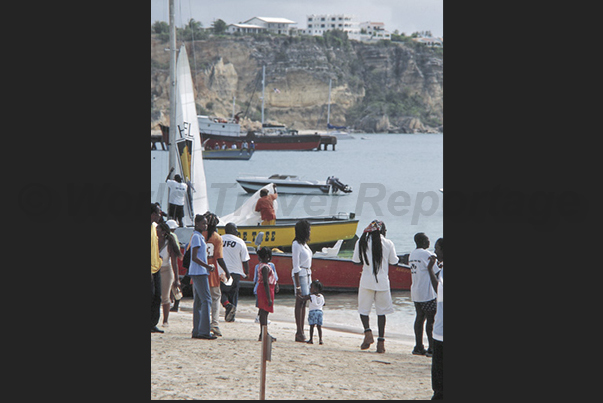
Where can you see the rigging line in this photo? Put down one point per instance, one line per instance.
(192, 27)
(259, 78)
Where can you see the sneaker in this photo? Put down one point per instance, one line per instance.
(419, 351)
(216, 332)
(429, 353)
(230, 313)
(227, 309)
(210, 337)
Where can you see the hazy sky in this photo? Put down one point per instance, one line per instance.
(406, 16)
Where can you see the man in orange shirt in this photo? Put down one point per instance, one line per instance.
(215, 256)
(265, 206)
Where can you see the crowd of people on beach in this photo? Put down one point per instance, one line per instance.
(216, 264)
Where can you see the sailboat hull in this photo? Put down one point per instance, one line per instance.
(325, 232)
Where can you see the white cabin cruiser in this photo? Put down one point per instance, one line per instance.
(292, 184)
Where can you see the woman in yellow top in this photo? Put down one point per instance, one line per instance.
(155, 267)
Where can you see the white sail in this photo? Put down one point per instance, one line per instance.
(246, 214)
(188, 131)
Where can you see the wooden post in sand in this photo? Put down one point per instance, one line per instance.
(266, 356)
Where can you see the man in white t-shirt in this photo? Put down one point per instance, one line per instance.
(236, 257)
(178, 193)
(423, 294)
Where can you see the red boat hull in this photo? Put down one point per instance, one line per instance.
(301, 146)
(334, 274)
(265, 143)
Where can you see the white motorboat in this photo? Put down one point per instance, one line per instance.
(292, 184)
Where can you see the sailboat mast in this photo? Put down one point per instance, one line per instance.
(263, 96)
(173, 125)
(329, 110)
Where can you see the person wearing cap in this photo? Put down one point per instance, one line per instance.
(178, 193)
(173, 227)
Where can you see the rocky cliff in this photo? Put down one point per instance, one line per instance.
(377, 88)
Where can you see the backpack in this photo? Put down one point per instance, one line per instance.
(186, 260)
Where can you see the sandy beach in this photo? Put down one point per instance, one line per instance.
(229, 368)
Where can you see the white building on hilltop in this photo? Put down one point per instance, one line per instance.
(366, 31)
(319, 24)
(374, 31)
(278, 26)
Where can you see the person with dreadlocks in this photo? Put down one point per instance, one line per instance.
(376, 253)
(215, 256)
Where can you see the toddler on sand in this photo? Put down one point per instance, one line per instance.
(315, 317)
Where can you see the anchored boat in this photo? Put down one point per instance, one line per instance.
(292, 184)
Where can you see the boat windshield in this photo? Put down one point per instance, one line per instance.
(283, 177)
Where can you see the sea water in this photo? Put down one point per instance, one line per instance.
(396, 178)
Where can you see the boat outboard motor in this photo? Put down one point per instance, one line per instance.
(338, 186)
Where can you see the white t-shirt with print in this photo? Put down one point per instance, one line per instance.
(235, 253)
(177, 192)
(421, 289)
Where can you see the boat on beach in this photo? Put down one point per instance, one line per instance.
(326, 231)
(335, 274)
(292, 184)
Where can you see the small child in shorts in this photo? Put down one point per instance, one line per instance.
(315, 317)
